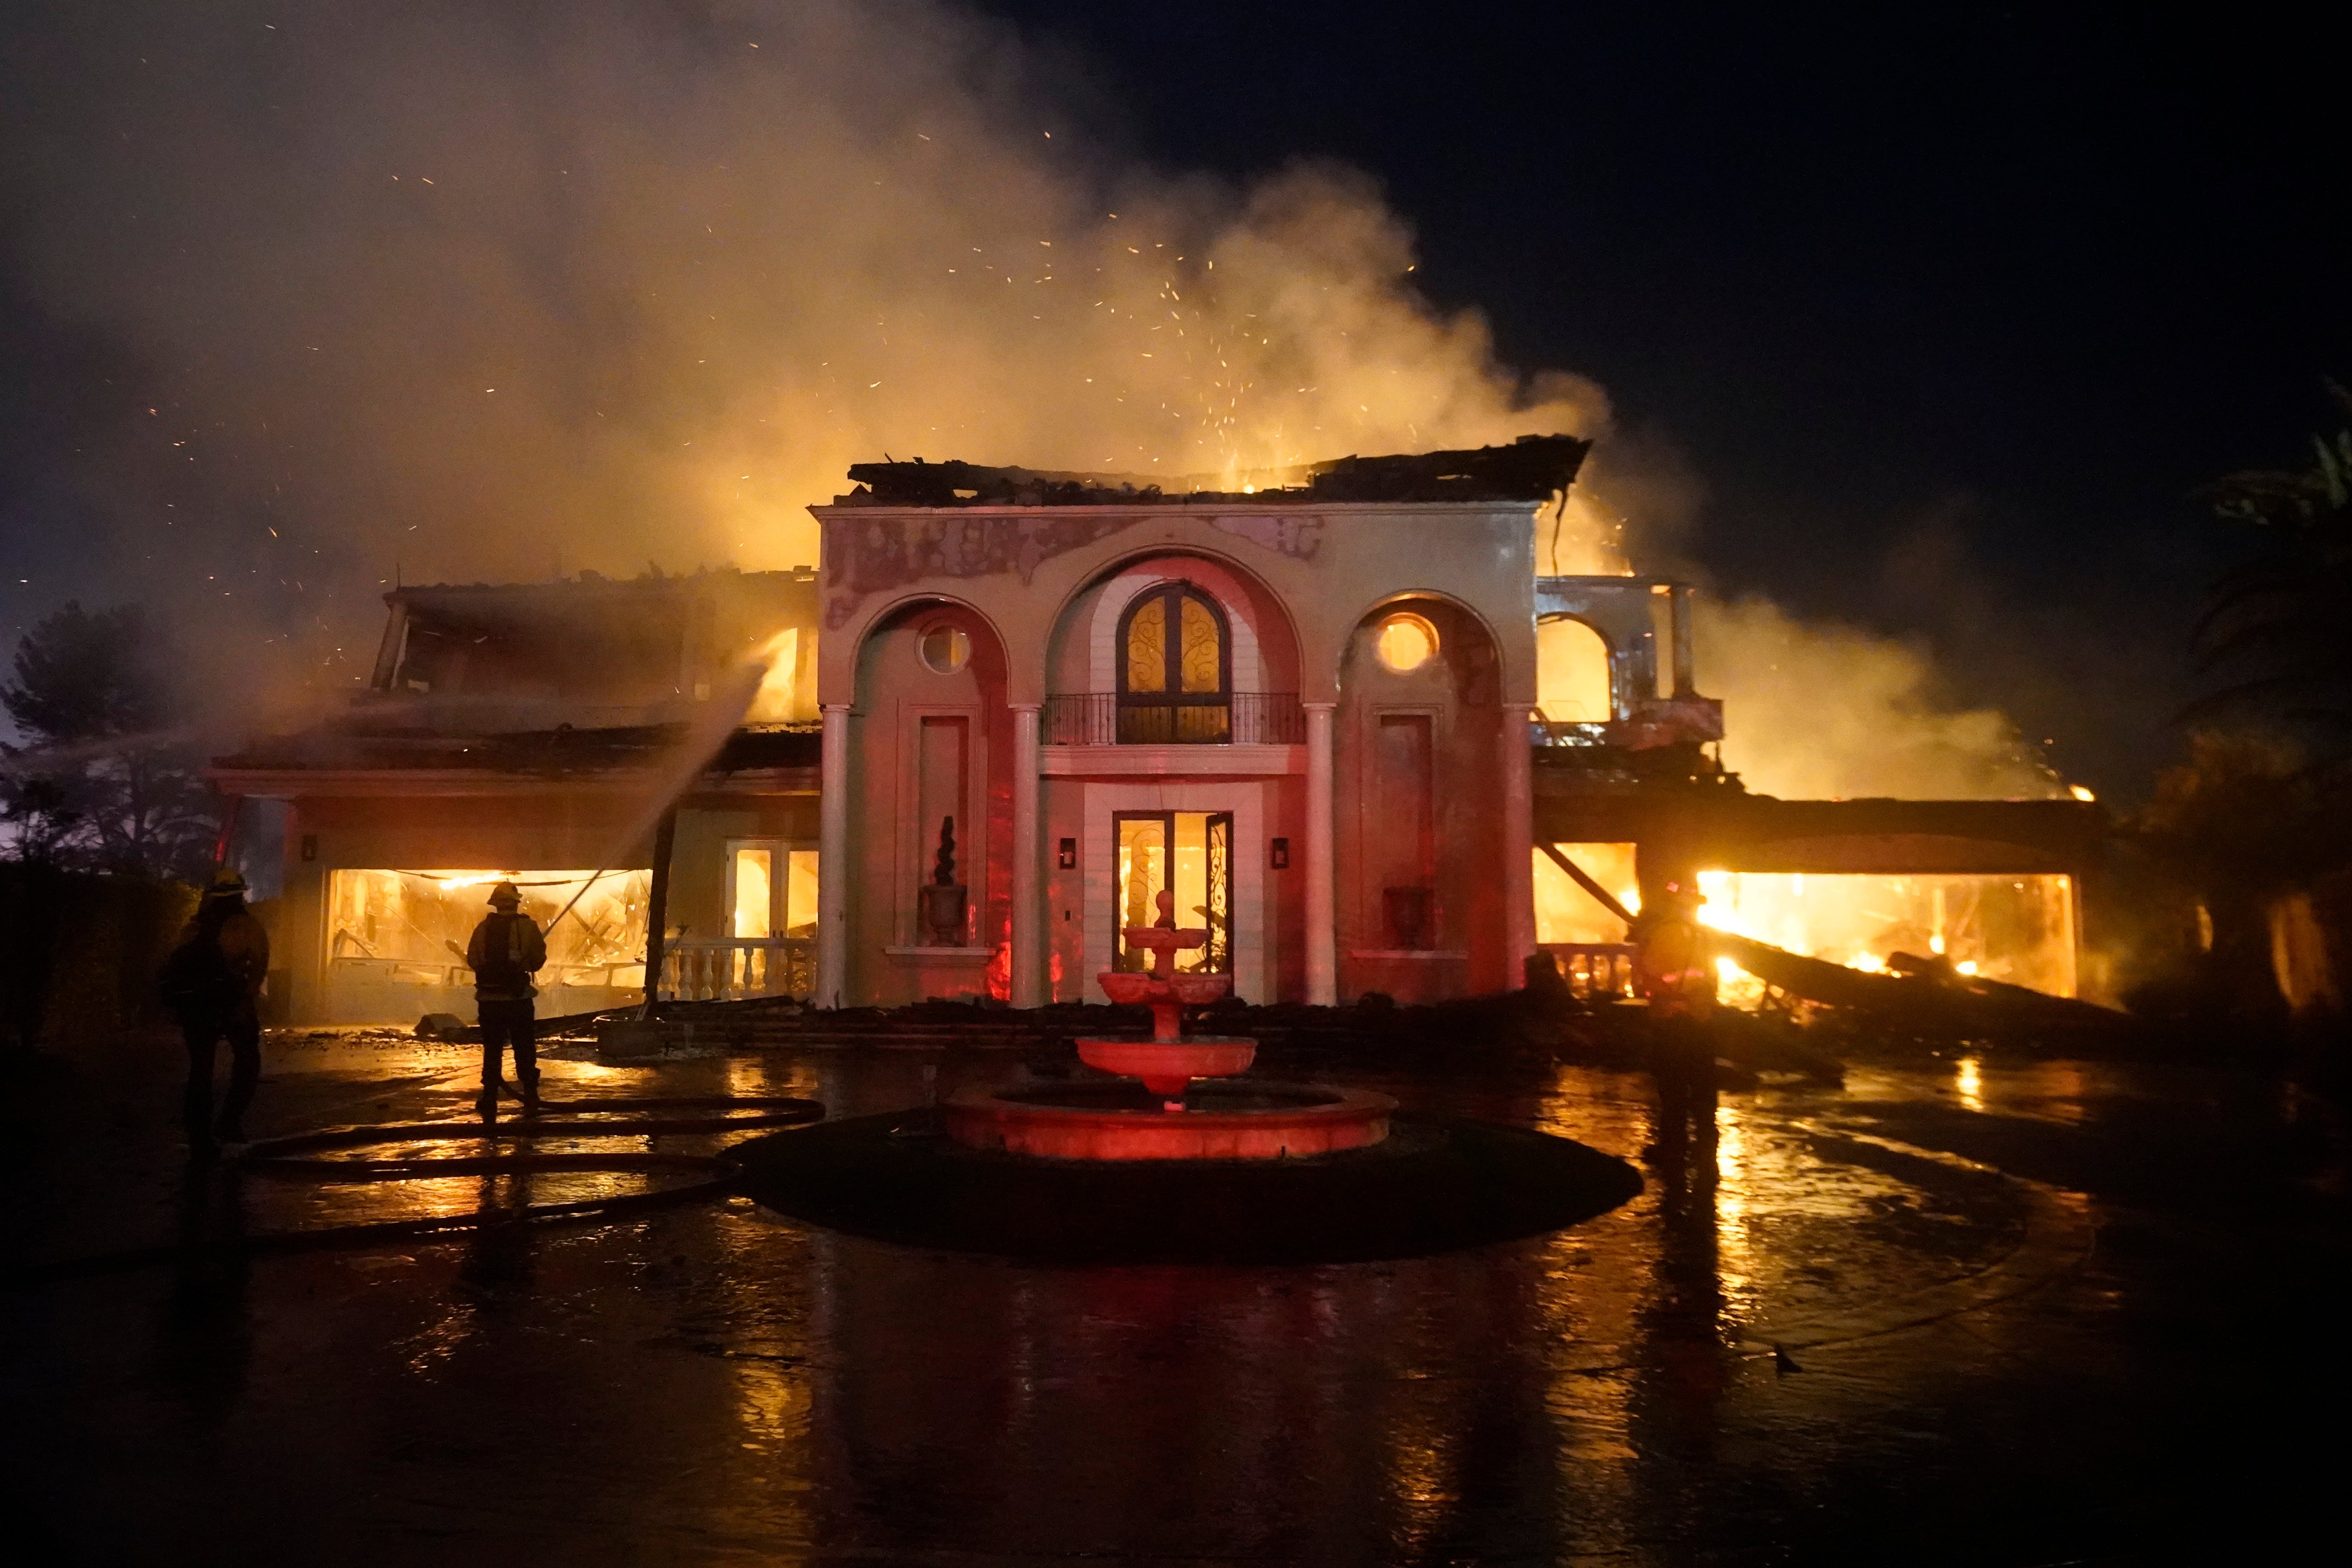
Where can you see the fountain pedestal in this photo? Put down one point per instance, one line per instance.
(1167, 1062)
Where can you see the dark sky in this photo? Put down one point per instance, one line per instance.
(1948, 310)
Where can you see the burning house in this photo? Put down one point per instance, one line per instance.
(1626, 799)
(536, 733)
(1338, 715)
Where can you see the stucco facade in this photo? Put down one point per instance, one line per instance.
(1343, 779)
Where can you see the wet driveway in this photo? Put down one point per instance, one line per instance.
(1956, 1312)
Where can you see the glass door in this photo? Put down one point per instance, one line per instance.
(1188, 853)
(770, 890)
(752, 894)
(771, 916)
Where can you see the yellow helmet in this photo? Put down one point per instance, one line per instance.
(506, 895)
(229, 883)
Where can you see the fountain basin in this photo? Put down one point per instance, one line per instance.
(1431, 1185)
(1188, 990)
(1250, 1121)
(1167, 1066)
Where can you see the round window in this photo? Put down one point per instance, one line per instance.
(1405, 643)
(944, 650)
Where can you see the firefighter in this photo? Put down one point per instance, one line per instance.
(1675, 968)
(505, 950)
(212, 984)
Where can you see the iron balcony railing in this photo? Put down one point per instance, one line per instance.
(1239, 719)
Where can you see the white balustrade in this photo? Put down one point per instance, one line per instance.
(731, 969)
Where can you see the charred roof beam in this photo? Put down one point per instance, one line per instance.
(1532, 469)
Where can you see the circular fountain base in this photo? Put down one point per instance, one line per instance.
(1244, 1119)
(1432, 1186)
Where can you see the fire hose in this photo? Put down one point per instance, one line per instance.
(294, 1158)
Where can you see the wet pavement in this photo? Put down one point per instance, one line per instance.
(1956, 1313)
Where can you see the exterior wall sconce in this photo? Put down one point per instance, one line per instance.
(1281, 856)
(1068, 857)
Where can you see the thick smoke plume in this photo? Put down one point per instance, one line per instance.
(1811, 708)
(480, 290)
(1814, 709)
(456, 289)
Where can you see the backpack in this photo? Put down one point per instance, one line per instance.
(195, 975)
(507, 952)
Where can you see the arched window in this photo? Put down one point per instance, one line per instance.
(1175, 668)
(1571, 673)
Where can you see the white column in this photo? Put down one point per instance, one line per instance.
(833, 858)
(1028, 965)
(1322, 937)
(1519, 844)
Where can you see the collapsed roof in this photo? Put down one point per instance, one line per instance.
(590, 638)
(1532, 469)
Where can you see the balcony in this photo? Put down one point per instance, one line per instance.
(1645, 725)
(1237, 718)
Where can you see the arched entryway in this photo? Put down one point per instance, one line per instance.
(1420, 908)
(1172, 745)
(929, 802)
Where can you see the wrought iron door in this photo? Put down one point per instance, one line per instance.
(1188, 853)
(1221, 893)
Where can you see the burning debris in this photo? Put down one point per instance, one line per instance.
(1915, 996)
(2017, 929)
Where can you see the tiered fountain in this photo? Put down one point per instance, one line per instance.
(1184, 1111)
(1177, 1160)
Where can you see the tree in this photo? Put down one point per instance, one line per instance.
(2260, 815)
(105, 781)
(38, 812)
(2275, 631)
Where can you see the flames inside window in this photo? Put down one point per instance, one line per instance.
(1405, 643)
(1571, 673)
(2016, 928)
(411, 926)
(765, 906)
(1565, 912)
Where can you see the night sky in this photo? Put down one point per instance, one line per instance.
(1950, 309)
(1946, 311)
